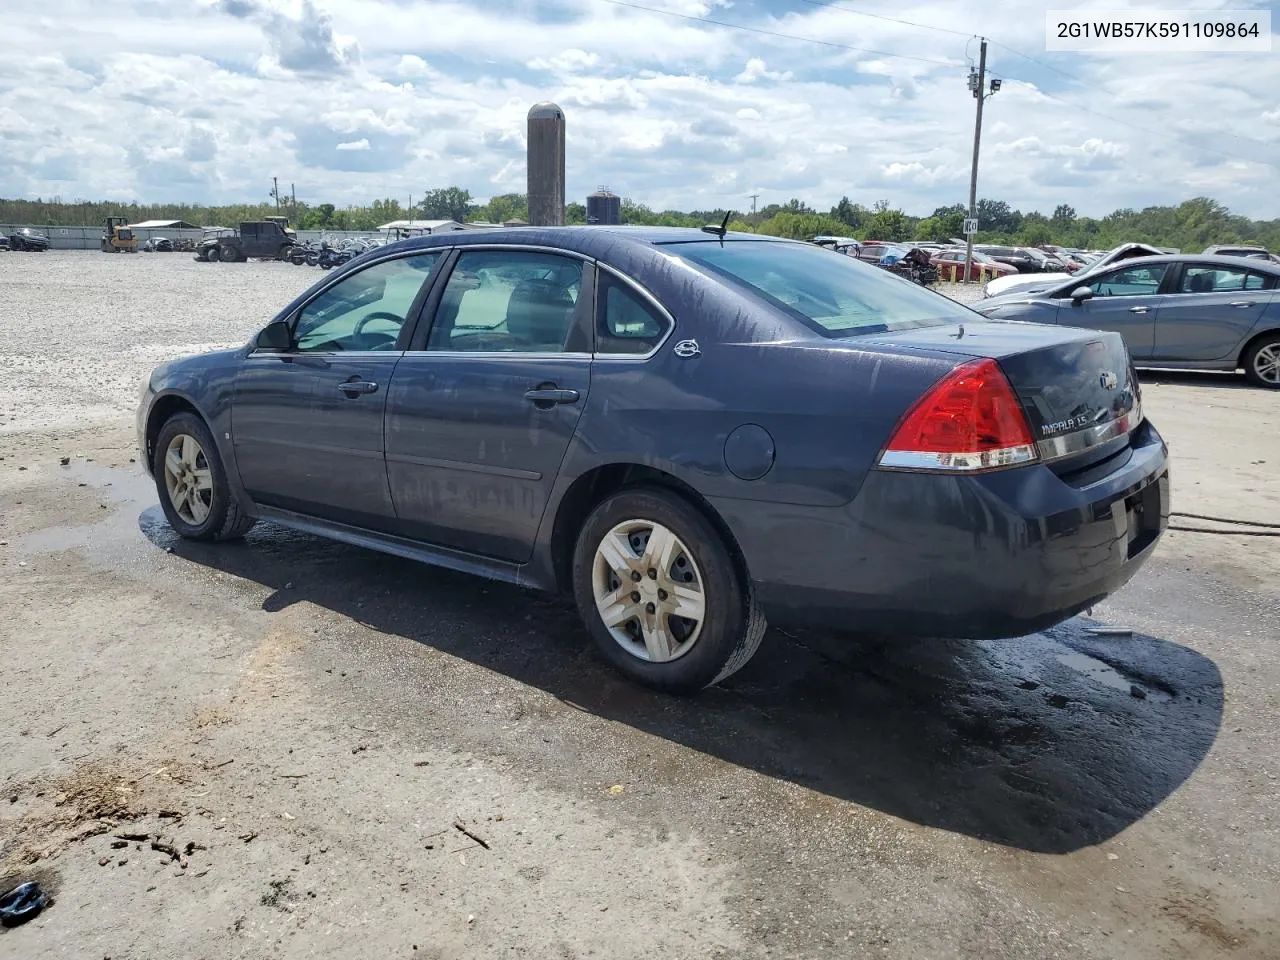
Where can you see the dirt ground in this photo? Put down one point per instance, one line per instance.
(294, 748)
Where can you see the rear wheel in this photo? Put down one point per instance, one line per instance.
(660, 594)
(1262, 363)
(192, 483)
(227, 253)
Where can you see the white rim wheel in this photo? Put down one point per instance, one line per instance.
(188, 479)
(648, 591)
(1266, 363)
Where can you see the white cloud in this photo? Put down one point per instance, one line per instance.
(756, 70)
(569, 61)
(411, 66)
(361, 144)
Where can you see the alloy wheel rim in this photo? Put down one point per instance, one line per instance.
(649, 591)
(188, 479)
(1266, 363)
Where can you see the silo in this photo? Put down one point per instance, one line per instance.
(604, 207)
(546, 165)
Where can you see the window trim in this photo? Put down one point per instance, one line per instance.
(416, 345)
(645, 295)
(410, 321)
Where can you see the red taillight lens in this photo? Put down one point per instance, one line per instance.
(969, 420)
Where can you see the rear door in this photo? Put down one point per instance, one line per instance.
(1210, 311)
(483, 406)
(1126, 301)
(307, 422)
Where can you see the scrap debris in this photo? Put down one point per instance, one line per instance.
(458, 825)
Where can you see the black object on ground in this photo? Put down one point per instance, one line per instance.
(22, 903)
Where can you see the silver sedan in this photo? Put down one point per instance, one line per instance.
(1193, 312)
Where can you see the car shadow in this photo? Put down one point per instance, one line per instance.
(1048, 743)
(1195, 378)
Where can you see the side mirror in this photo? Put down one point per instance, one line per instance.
(1080, 294)
(275, 336)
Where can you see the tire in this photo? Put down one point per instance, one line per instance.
(213, 254)
(1262, 362)
(219, 515)
(731, 626)
(227, 253)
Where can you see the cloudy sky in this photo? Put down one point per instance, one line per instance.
(206, 100)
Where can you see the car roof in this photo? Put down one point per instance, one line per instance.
(1235, 263)
(592, 241)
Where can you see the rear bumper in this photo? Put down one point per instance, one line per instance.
(994, 555)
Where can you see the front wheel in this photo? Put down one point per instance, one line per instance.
(192, 483)
(1262, 363)
(213, 254)
(660, 594)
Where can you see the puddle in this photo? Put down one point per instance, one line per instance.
(1106, 675)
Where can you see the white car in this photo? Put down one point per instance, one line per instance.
(1035, 282)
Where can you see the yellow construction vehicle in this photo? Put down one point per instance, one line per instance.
(118, 238)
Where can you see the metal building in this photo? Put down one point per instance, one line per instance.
(604, 207)
(546, 165)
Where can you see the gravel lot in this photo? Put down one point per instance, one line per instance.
(303, 731)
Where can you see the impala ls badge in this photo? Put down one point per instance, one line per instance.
(687, 348)
(1108, 380)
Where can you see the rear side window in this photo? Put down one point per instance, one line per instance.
(626, 323)
(1220, 280)
(836, 296)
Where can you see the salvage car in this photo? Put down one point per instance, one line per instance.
(951, 266)
(1043, 281)
(685, 430)
(1192, 312)
(28, 240)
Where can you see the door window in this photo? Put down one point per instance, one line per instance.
(364, 311)
(510, 301)
(1220, 280)
(1130, 282)
(626, 323)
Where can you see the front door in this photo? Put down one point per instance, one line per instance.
(307, 422)
(1210, 312)
(1125, 301)
(480, 417)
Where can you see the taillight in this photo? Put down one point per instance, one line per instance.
(969, 420)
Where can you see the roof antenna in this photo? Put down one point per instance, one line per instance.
(720, 230)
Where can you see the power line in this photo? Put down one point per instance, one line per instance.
(776, 34)
(877, 16)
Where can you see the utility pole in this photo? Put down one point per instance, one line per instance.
(978, 86)
(754, 197)
(293, 195)
(275, 192)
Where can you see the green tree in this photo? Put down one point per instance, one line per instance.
(1064, 215)
(446, 203)
(575, 213)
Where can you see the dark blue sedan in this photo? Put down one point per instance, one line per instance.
(686, 431)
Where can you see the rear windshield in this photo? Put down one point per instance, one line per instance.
(836, 296)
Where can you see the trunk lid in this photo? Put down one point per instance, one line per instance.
(1076, 386)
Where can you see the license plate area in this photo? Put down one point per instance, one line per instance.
(1146, 514)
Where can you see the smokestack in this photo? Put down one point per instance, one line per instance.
(546, 165)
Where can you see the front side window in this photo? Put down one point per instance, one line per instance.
(1130, 282)
(365, 310)
(835, 296)
(510, 301)
(625, 322)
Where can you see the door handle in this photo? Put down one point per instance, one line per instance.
(1139, 309)
(1241, 303)
(353, 388)
(547, 397)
